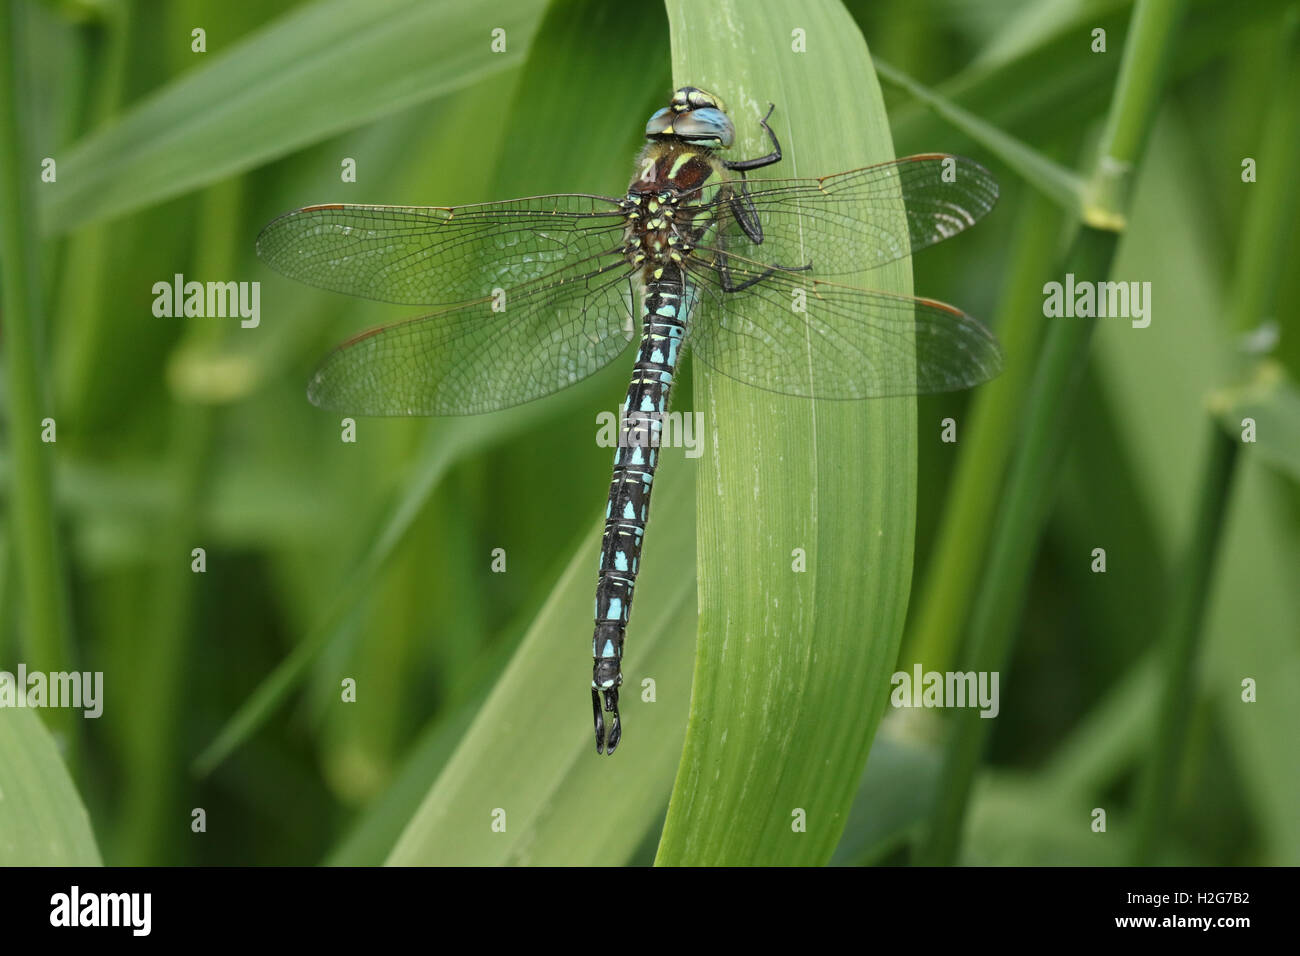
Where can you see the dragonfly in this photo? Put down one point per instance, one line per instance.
(532, 295)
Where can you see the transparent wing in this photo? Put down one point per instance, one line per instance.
(851, 221)
(796, 335)
(439, 255)
(470, 359)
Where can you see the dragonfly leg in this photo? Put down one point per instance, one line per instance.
(728, 285)
(741, 165)
(742, 207)
(746, 216)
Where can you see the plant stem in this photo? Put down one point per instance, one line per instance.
(1189, 592)
(1268, 215)
(1128, 121)
(81, 308)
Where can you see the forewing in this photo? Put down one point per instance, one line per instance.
(853, 221)
(439, 255)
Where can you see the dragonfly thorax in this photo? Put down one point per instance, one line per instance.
(662, 203)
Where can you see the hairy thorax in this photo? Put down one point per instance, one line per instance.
(662, 204)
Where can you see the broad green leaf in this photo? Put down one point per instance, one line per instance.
(325, 67)
(42, 819)
(792, 671)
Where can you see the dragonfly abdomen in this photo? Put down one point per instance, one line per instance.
(635, 461)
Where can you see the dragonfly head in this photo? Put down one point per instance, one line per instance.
(693, 116)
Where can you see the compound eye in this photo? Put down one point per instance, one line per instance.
(659, 122)
(708, 126)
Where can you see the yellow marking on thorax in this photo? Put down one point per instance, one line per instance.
(678, 163)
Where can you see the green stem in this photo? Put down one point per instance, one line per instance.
(1179, 640)
(46, 627)
(1031, 482)
(82, 310)
(1128, 122)
(1268, 215)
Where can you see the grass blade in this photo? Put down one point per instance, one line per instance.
(1182, 631)
(329, 66)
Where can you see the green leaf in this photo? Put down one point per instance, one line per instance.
(42, 819)
(792, 670)
(323, 68)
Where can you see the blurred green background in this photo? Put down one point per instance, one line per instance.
(371, 561)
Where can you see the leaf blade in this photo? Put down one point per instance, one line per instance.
(769, 732)
(321, 69)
